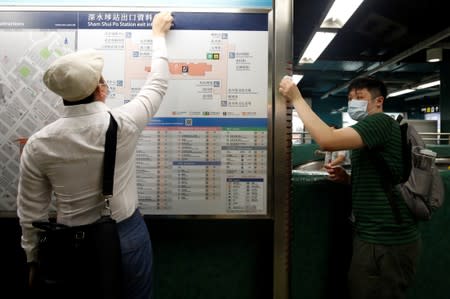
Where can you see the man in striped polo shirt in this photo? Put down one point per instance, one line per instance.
(385, 251)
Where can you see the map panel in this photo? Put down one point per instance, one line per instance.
(26, 104)
(206, 150)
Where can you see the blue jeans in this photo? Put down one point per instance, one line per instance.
(137, 257)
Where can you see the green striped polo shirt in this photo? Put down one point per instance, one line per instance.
(374, 220)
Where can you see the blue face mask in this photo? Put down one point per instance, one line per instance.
(357, 109)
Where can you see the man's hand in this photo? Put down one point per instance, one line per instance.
(289, 89)
(337, 174)
(161, 24)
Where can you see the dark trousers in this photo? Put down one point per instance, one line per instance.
(382, 271)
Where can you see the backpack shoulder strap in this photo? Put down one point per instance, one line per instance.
(385, 178)
(385, 174)
(388, 190)
(406, 151)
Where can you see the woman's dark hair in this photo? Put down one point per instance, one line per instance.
(374, 86)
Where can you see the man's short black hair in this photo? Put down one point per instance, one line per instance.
(374, 86)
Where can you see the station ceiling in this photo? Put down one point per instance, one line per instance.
(387, 39)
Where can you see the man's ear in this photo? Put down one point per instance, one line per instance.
(379, 101)
(98, 93)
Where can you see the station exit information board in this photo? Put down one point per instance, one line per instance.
(206, 150)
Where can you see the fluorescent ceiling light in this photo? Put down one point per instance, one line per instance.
(408, 90)
(434, 55)
(423, 95)
(296, 78)
(429, 84)
(340, 12)
(317, 45)
(400, 92)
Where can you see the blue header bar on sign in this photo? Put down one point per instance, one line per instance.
(131, 20)
(38, 20)
(207, 122)
(182, 20)
(266, 4)
(221, 21)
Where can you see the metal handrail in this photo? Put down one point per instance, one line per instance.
(435, 137)
(428, 137)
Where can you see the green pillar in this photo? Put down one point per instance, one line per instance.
(445, 92)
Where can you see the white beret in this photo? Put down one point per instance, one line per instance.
(75, 76)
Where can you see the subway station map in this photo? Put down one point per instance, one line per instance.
(204, 152)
